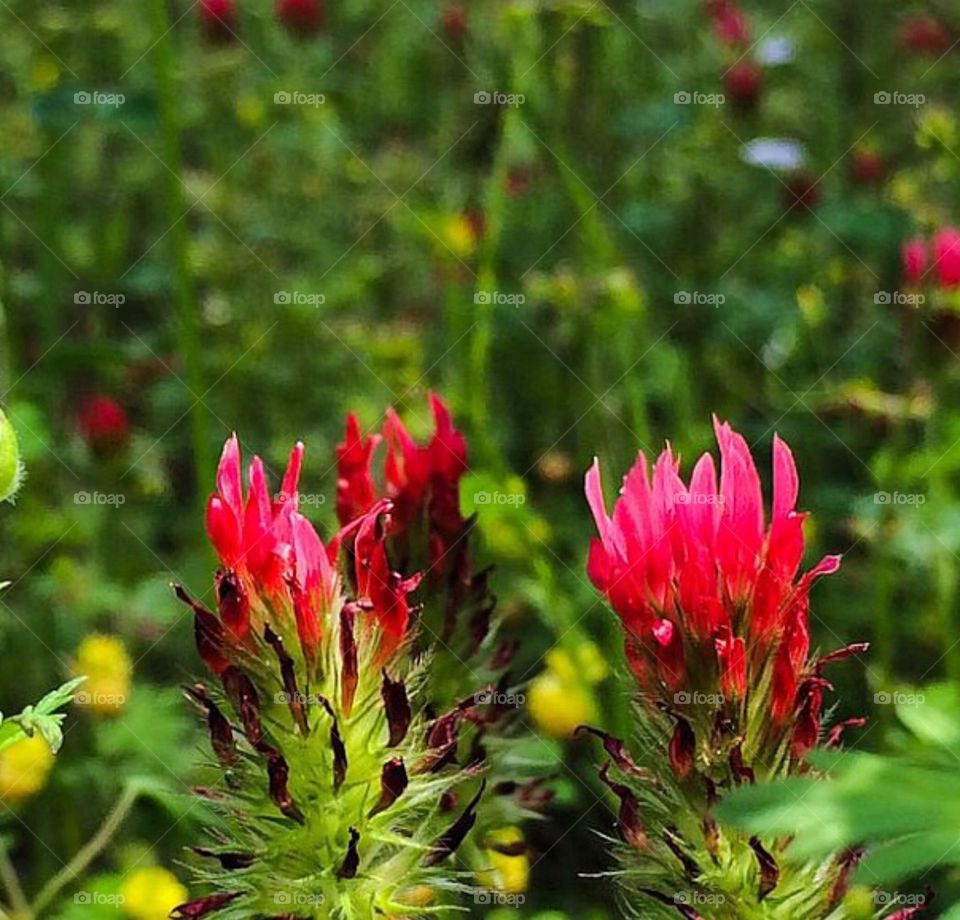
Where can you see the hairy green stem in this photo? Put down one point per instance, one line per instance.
(89, 851)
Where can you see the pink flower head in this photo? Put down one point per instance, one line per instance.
(104, 424)
(705, 585)
(273, 552)
(946, 256)
(302, 18)
(914, 256)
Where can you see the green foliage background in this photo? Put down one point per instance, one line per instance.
(600, 198)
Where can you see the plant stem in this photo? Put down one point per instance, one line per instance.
(89, 851)
(11, 882)
(187, 325)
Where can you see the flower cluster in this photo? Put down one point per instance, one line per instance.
(715, 613)
(301, 18)
(340, 795)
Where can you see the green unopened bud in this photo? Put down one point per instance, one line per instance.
(11, 467)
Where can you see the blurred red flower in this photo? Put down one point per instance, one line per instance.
(924, 34)
(914, 256)
(103, 424)
(946, 256)
(302, 18)
(218, 20)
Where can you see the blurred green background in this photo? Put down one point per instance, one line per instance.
(264, 232)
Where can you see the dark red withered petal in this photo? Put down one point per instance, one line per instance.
(338, 748)
(504, 654)
(448, 801)
(203, 906)
(855, 648)
(397, 706)
(769, 871)
(628, 822)
(279, 773)
(393, 781)
(349, 674)
(683, 746)
(741, 772)
(907, 913)
(617, 749)
(221, 734)
(351, 862)
(243, 695)
(229, 861)
(835, 735)
(295, 699)
(208, 633)
(688, 913)
(450, 839)
(674, 844)
(233, 603)
(846, 862)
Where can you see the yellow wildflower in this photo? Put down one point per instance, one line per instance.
(24, 768)
(509, 874)
(150, 893)
(108, 668)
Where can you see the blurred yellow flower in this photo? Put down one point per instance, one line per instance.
(44, 75)
(459, 235)
(250, 110)
(509, 874)
(24, 768)
(108, 668)
(558, 706)
(151, 893)
(811, 303)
